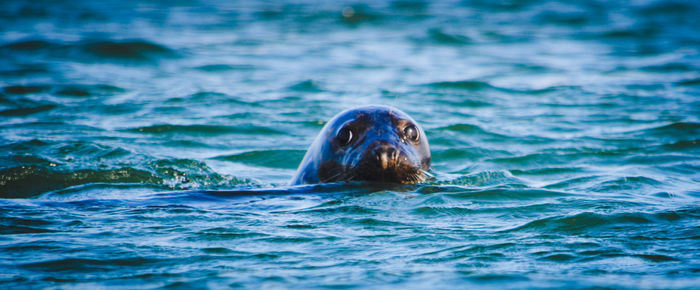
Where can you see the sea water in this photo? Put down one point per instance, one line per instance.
(149, 144)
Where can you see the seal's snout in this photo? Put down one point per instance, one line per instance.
(386, 154)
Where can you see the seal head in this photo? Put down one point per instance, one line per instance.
(372, 143)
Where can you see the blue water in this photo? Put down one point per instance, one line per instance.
(147, 145)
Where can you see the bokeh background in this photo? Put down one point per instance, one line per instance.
(564, 137)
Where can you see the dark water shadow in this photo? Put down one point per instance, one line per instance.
(245, 198)
(327, 189)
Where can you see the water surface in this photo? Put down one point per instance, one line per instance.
(149, 145)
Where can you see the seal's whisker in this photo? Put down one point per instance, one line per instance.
(349, 177)
(336, 177)
(419, 177)
(426, 173)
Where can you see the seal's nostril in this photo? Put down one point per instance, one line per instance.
(385, 149)
(386, 155)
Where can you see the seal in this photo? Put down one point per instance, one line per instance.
(370, 143)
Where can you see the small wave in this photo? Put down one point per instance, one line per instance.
(247, 190)
(626, 183)
(514, 212)
(188, 173)
(27, 111)
(462, 85)
(680, 127)
(288, 159)
(562, 89)
(72, 90)
(51, 154)
(554, 157)
(30, 159)
(24, 70)
(436, 211)
(506, 194)
(536, 159)
(491, 277)
(410, 5)
(204, 95)
(29, 44)
(127, 50)
(669, 67)
(486, 178)
(561, 257)
(681, 130)
(499, 5)
(220, 233)
(163, 209)
(45, 176)
(38, 126)
(204, 130)
(684, 145)
(441, 37)
(546, 171)
(220, 251)
(588, 221)
(470, 129)
(16, 230)
(571, 18)
(468, 103)
(30, 180)
(668, 8)
(14, 225)
(288, 240)
(657, 258)
(369, 222)
(306, 86)
(124, 50)
(88, 265)
(689, 82)
(25, 89)
(24, 145)
(357, 14)
(465, 252)
(638, 32)
(224, 67)
(606, 253)
(79, 90)
(342, 210)
(569, 183)
(47, 245)
(462, 128)
(207, 97)
(469, 154)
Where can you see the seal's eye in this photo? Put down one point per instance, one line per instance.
(345, 136)
(410, 132)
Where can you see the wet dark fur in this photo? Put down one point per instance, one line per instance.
(374, 128)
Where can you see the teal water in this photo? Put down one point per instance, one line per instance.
(147, 145)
